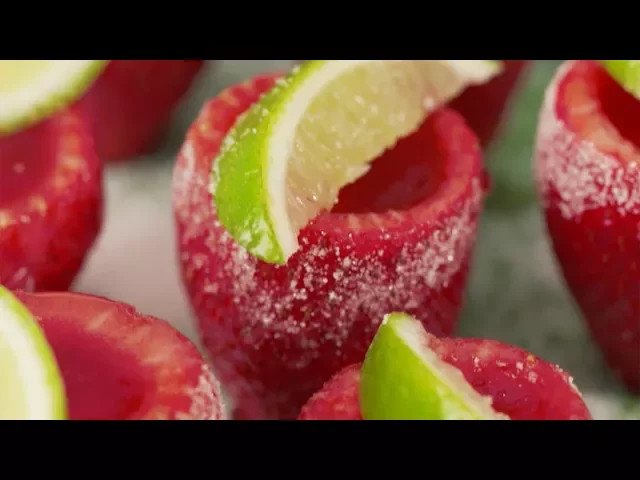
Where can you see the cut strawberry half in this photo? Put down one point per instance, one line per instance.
(120, 365)
(131, 103)
(521, 385)
(484, 106)
(50, 203)
(588, 177)
(400, 238)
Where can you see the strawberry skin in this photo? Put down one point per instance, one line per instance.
(484, 106)
(588, 177)
(338, 399)
(400, 238)
(131, 103)
(521, 385)
(120, 365)
(50, 203)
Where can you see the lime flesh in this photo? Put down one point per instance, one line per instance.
(403, 379)
(31, 90)
(626, 73)
(31, 386)
(18, 72)
(316, 131)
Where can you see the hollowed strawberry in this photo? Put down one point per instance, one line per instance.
(50, 203)
(120, 365)
(131, 103)
(401, 238)
(588, 176)
(483, 106)
(521, 385)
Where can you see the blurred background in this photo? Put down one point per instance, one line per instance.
(515, 295)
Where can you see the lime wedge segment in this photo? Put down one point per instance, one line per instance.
(316, 131)
(626, 73)
(31, 90)
(31, 387)
(403, 379)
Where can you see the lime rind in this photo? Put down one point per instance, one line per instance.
(249, 177)
(626, 73)
(243, 159)
(403, 379)
(46, 398)
(48, 95)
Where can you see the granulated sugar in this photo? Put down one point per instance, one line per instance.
(582, 174)
(201, 405)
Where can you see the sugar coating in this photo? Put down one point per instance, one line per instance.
(584, 176)
(206, 398)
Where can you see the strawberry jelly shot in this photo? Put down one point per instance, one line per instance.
(131, 103)
(50, 202)
(400, 238)
(117, 364)
(587, 163)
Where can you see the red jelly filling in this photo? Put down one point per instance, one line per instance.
(101, 381)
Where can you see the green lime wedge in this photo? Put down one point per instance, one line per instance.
(316, 131)
(403, 379)
(31, 90)
(31, 387)
(626, 73)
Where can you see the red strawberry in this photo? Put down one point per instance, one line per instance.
(132, 101)
(588, 176)
(401, 238)
(119, 365)
(50, 203)
(522, 386)
(483, 106)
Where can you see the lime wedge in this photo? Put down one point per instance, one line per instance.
(403, 379)
(31, 387)
(31, 90)
(626, 73)
(316, 131)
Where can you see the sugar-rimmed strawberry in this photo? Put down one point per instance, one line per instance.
(117, 364)
(399, 238)
(588, 177)
(131, 103)
(409, 374)
(50, 202)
